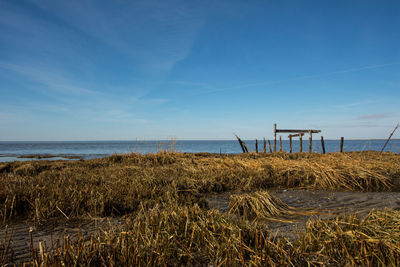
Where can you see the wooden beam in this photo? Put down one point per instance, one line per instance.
(295, 135)
(290, 144)
(280, 143)
(310, 142)
(295, 131)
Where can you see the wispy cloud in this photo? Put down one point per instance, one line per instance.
(354, 104)
(72, 100)
(362, 68)
(247, 85)
(159, 34)
(376, 116)
(48, 78)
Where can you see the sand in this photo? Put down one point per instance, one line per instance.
(49, 233)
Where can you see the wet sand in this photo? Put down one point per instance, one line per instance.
(49, 234)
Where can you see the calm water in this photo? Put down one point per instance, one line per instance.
(10, 151)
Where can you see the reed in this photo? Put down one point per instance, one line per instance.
(261, 205)
(170, 236)
(349, 240)
(6, 252)
(116, 185)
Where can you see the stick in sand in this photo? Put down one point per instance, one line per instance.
(390, 136)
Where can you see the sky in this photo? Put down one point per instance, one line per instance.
(151, 70)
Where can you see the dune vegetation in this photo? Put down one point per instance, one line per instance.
(167, 220)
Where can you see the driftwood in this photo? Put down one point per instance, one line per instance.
(390, 136)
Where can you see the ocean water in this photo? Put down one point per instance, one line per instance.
(10, 151)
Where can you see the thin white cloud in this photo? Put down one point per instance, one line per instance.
(48, 78)
(376, 116)
(156, 34)
(354, 104)
(247, 85)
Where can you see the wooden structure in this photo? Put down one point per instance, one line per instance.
(290, 141)
(295, 133)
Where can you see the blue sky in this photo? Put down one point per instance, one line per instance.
(123, 70)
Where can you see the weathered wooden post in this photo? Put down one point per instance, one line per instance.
(341, 144)
(290, 144)
(241, 143)
(274, 137)
(280, 143)
(256, 146)
(323, 145)
(390, 136)
(309, 141)
(269, 146)
(301, 143)
(265, 146)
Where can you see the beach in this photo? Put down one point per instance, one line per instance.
(177, 208)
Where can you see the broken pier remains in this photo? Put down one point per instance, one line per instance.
(295, 133)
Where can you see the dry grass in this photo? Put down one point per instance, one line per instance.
(118, 184)
(6, 254)
(192, 236)
(168, 221)
(349, 240)
(262, 205)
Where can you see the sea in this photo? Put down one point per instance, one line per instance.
(23, 151)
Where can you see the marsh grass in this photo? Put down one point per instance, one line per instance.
(193, 236)
(6, 252)
(167, 220)
(116, 185)
(349, 240)
(263, 205)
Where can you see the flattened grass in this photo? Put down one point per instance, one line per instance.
(261, 205)
(116, 185)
